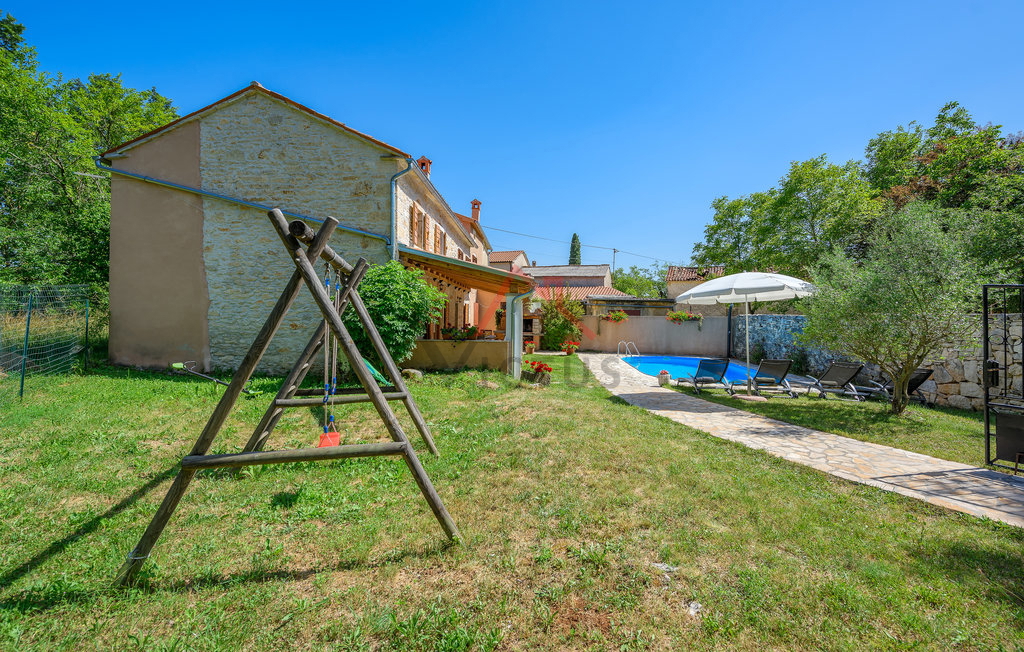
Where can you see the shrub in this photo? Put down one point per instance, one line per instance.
(401, 304)
(560, 321)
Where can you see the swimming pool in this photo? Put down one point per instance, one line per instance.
(679, 366)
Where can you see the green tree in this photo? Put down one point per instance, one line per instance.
(401, 304)
(575, 255)
(643, 282)
(54, 207)
(560, 320)
(912, 292)
(817, 206)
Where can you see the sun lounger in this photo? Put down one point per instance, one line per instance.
(770, 376)
(884, 391)
(710, 371)
(838, 379)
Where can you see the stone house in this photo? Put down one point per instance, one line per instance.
(195, 265)
(591, 285)
(680, 279)
(508, 260)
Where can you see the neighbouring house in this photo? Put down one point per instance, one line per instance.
(681, 279)
(510, 261)
(589, 284)
(195, 265)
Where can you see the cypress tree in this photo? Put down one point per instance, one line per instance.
(575, 257)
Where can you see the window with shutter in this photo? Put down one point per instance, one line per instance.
(437, 240)
(414, 218)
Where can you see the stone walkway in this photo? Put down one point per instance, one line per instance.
(960, 487)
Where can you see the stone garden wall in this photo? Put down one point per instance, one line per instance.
(957, 378)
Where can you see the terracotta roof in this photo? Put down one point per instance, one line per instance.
(567, 270)
(505, 256)
(693, 273)
(577, 293)
(253, 87)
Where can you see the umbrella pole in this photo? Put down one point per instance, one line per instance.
(746, 333)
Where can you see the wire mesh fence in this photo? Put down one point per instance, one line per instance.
(44, 329)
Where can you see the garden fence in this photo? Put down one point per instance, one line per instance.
(43, 331)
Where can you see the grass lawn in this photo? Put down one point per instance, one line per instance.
(565, 495)
(946, 433)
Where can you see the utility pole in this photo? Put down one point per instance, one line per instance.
(614, 251)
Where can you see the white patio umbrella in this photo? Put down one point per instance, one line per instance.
(744, 288)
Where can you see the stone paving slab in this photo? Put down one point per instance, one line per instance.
(960, 487)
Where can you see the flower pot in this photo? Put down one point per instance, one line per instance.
(538, 377)
(664, 379)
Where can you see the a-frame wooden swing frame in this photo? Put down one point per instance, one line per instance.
(289, 395)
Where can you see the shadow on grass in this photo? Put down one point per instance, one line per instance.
(57, 547)
(57, 594)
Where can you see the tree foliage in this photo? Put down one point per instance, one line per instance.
(912, 292)
(817, 206)
(401, 304)
(575, 253)
(54, 207)
(972, 174)
(643, 282)
(560, 321)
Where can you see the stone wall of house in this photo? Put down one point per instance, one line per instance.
(266, 151)
(411, 190)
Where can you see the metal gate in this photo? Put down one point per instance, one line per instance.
(1004, 394)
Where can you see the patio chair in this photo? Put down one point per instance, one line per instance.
(838, 379)
(770, 376)
(710, 371)
(884, 391)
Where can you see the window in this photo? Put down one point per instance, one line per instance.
(474, 259)
(421, 228)
(414, 226)
(437, 239)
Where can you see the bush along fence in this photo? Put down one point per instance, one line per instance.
(43, 329)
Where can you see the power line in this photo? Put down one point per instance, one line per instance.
(612, 249)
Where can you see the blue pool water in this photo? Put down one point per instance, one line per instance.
(679, 366)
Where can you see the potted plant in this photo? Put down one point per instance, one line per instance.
(458, 334)
(530, 347)
(570, 347)
(682, 316)
(536, 371)
(615, 316)
(664, 377)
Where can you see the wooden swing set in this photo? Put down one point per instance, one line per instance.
(333, 337)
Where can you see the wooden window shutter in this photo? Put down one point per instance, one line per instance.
(437, 239)
(414, 219)
(444, 243)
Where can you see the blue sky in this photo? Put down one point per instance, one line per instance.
(618, 121)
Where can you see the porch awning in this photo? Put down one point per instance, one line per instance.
(470, 275)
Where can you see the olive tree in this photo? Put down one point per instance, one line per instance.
(911, 293)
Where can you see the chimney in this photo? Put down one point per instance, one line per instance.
(424, 163)
(476, 210)
(535, 263)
